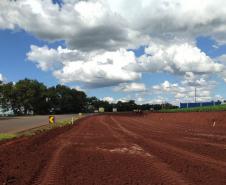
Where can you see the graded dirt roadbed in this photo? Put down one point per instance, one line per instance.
(155, 149)
(18, 124)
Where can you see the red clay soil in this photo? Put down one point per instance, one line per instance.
(152, 149)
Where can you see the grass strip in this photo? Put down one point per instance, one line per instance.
(198, 109)
(6, 136)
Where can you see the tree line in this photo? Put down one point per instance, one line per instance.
(32, 97)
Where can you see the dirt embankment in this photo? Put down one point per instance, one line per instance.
(156, 148)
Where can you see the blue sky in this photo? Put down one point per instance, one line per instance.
(85, 51)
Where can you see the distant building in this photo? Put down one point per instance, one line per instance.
(101, 109)
(6, 113)
(114, 110)
(151, 109)
(199, 104)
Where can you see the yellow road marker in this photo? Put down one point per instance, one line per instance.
(51, 119)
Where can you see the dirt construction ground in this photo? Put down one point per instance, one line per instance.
(152, 149)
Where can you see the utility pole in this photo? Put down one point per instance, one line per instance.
(195, 94)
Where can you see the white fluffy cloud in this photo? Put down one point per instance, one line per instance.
(99, 33)
(47, 58)
(98, 24)
(2, 78)
(165, 86)
(185, 91)
(192, 80)
(173, 19)
(222, 59)
(176, 59)
(101, 70)
(131, 87)
(109, 99)
(78, 88)
(93, 69)
(85, 25)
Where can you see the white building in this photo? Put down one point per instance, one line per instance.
(101, 109)
(114, 110)
(5, 113)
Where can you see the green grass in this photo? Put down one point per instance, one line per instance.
(197, 109)
(7, 136)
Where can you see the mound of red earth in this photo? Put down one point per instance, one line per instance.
(149, 149)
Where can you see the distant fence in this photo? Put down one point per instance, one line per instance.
(200, 104)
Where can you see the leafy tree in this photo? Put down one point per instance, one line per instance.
(30, 97)
(126, 106)
(8, 97)
(62, 99)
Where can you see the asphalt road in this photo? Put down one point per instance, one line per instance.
(17, 124)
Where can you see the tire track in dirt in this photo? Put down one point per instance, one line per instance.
(49, 175)
(112, 130)
(77, 137)
(184, 127)
(118, 149)
(154, 126)
(193, 125)
(112, 147)
(172, 151)
(195, 156)
(180, 139)
(158, 168)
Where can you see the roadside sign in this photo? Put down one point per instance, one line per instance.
(51, 119)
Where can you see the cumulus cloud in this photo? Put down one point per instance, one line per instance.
(131, 87)
(85, 25)
(186, 90)
(2, 78)
(109, 99)
(222, 59)
(165, 86)
(98, 35)
(176, 59)
(94, 69)
(192, 80)
(93, 75)
(78, 88)
(47, 58)
(173, 19)
(98, 24)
